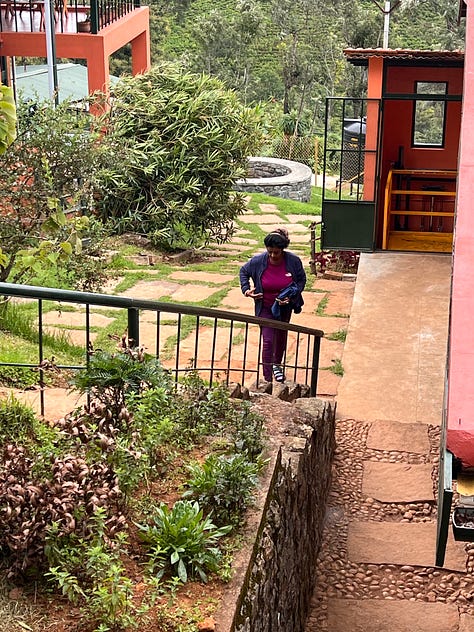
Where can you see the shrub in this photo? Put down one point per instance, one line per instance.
(223, 486)
(55, 144)
(110, 377)
(18, 377)
(153, 421)
(89, 570)
(247, 432)
(29, 504)
(177, 143)
(181, 540)
(85, 270)
(199, 411)
(16, 420)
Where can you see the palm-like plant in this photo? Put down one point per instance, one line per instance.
(110, 377)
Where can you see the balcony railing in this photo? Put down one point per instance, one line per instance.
(70, 16)
(222, 346)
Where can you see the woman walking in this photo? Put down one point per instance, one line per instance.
(275, 280)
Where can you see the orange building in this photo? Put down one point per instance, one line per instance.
(396, 155)
(90, 31)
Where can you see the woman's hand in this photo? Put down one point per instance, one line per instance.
(253, 294)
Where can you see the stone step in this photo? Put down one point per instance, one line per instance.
(354, 615)
(401, 543)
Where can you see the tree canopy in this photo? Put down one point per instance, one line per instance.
(291, 53)
(176, 141)
(48, 169)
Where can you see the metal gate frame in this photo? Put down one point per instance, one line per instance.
(349, 207)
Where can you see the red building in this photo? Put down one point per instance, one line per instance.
(90, 31)
(405, 163)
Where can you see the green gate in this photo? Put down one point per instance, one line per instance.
(349, 208)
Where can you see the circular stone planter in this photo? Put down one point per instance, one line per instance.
(277, 177)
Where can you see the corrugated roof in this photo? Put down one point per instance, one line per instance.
(405, 56)
(32, 82)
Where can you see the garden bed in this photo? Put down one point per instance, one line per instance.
(91, 504)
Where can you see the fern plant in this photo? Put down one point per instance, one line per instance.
(111, 376)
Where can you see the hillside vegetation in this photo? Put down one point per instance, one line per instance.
(290, 54)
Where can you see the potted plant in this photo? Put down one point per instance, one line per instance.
(85, 25)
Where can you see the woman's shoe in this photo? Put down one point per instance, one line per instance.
(278, 373)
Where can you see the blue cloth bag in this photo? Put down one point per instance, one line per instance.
(290, 291)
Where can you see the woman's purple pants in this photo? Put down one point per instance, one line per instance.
(273, 344)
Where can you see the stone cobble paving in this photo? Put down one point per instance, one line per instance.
(338, 578)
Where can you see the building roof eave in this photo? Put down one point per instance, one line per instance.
(405, 57)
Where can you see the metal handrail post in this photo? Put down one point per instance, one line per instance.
(133, 327)
(94, 16)
(314, 367)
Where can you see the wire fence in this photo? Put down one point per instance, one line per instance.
(308, 150)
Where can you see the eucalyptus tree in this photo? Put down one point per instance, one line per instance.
(177, 142)
(226, 44)
(309, 43)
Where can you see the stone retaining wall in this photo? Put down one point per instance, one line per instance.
(277, 177)
(278, 583)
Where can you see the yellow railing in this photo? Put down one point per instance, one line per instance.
(431, 193)
(386, 210)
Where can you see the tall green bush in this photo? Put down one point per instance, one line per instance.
(177, 143)
(7, 118)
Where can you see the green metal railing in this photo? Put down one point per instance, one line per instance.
(222, 346)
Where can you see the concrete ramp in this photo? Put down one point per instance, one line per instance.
(395, 353)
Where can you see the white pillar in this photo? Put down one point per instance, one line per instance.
(386, 23)
(51, 51)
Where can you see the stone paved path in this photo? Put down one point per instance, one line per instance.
(376, 569)
(327, 302)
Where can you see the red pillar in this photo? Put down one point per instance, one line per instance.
(141, 57)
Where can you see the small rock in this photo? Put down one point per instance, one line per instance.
(207, 625)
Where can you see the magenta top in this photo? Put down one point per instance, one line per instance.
(274, 279)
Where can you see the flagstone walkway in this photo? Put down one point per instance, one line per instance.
(327, 302)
